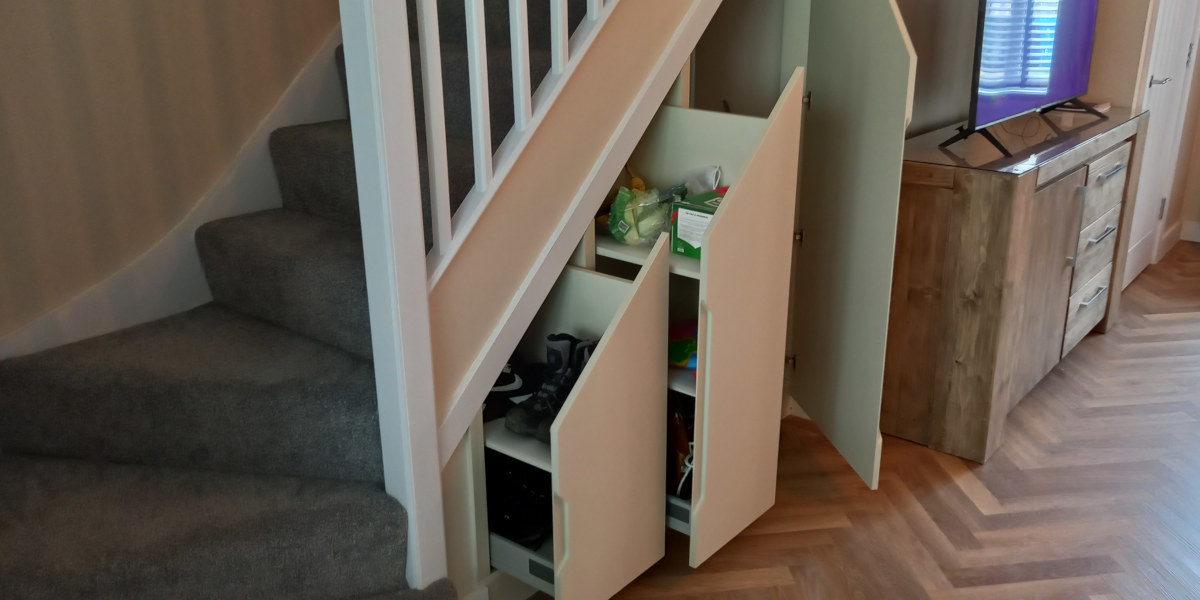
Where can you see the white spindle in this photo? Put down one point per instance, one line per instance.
(481, 122)
(518, 18)
(435, 124)
(593, 9)
(559, 34)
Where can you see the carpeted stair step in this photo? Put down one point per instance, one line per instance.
(85, 529)
(314, 164)
(456, 88)
(300, 272)
(452, 21)
(210, 388)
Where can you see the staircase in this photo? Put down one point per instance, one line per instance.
(235, 450)
(231, 451)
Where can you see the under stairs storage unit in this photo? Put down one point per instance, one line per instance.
(606, 455)
(606, 446)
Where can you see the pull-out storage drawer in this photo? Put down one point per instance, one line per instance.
(1087, 308)
(1097, 245)
(738, 291)
(1106, 183)
(605, 455)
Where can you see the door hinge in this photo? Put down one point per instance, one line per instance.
(799, 237)
(808, 99)
(1162, 209)
(790, 360)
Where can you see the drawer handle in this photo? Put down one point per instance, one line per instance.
(1104, 236)
(1099, 292)
(1113, 173)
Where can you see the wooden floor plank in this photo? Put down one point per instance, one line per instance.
(1095, 494)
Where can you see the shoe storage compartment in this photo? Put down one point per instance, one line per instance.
(739, 292)
(605, 451)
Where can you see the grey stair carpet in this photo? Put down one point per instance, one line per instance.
(209, 388)
(315, 168)
(292, 269)
(79, 529)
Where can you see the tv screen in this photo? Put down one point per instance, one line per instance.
(1030, 54)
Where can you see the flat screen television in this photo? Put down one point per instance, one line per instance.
(1030, 55)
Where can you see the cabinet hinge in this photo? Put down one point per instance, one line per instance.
(799, 237)
(808, 99)
(790, 360)
(1162, 209)
(1191, 53)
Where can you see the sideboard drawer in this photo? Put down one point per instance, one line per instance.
(1097, 245)
(1087, 308)
(1106, 183)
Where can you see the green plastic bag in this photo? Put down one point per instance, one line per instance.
(638, 218)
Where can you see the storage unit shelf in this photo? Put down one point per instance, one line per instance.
(523, 448)
(684, 266)
(682, 381)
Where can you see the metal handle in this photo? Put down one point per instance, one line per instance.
(1104, 236)
(1099, 292)
(1154, 82)
(1113, 173)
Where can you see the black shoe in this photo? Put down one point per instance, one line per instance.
(525, 418)
(512, 387)
(579, 359)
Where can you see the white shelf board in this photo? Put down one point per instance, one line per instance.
(679, 514)
(682, 381)
(523, 448)
(607, 247)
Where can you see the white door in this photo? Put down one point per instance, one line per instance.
(1171, 63)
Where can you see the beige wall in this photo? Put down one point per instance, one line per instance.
(116, 116)
(738, 59)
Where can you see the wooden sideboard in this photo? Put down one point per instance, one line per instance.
(1002, 266)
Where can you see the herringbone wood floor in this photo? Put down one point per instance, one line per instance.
(1094, 495)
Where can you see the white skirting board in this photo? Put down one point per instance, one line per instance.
(1191, 231)
(168, 278)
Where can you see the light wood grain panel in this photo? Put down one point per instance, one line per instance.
(943, 338)
(1086, 308)
(607, 449)
(1106, 183)
(1038, 282)
(1096, 247)
(743, 335)
(1137, 152)
(1084, 152)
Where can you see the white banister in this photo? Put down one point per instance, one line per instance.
(481, 116)
(593, 9)
(435, 125)
(518, 18)
(560, 31)
(380, 81)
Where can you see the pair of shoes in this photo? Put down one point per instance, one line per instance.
(566, 356)
(514, 386)
(519, 500)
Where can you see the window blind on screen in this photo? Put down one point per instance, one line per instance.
(1018, 46)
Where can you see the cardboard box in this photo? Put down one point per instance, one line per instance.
(690, 219)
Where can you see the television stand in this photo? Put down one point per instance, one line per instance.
(965, 132)
(1076, 105)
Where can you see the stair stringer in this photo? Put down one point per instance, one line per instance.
(489, 293)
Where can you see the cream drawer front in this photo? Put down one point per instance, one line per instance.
(606, 447)
(1087, 308)
(741, 302)
(1106, 183)
(1097, 245)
